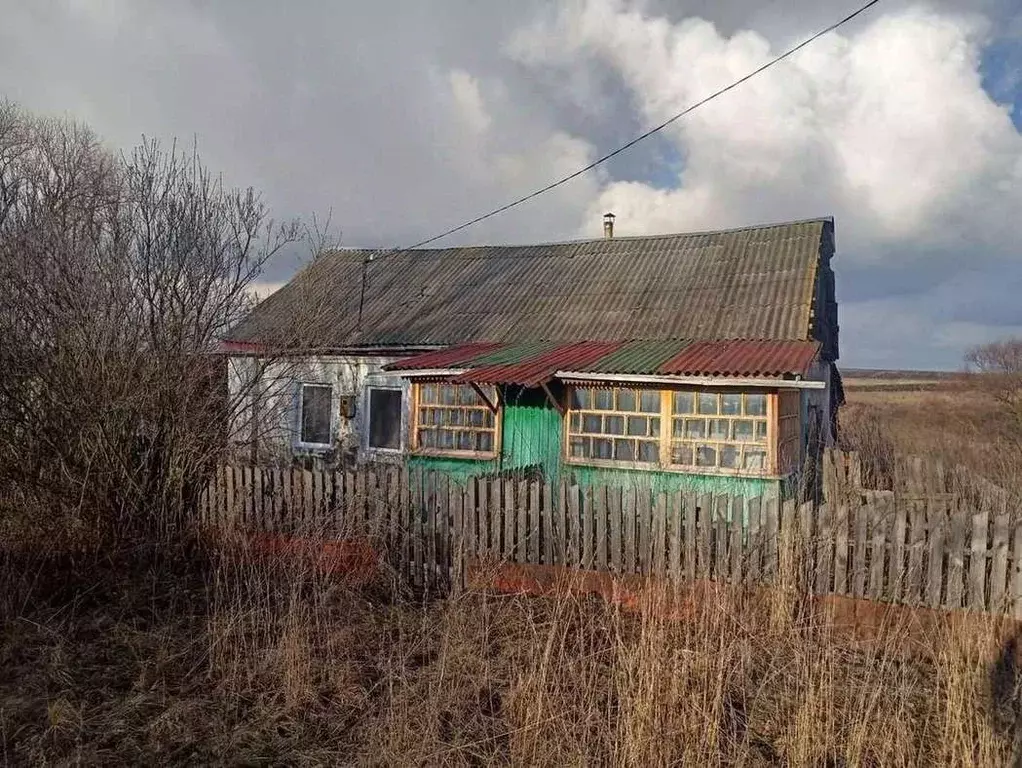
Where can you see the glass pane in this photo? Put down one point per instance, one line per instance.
(316, 406)
(581, 399)
(755, 458)
(484, 442)
(435, 415)
(707, 403)
(457, 416)
(695, 428)
(731, 404)
(448, 394)
(576, 422)
(678, 427)
(614, 425)
(654, 426)
(476, 417)
(729, 456)
(428, 393)
(755, 405)
(488, 418)
(626, 400)
(649, 401)
(427, 438)
(602, 448)
(445, 416)
(761, 431)
(719, 429)
(577, 447)
(385, 418)
(592, 424)
(682, 454)
(466, 441)
(603, 400)
(684, 402)
(466, 395)
(623, 450)
(743, 430)
(446, 439)
(638, 426)
(647, 451)
(706, 456)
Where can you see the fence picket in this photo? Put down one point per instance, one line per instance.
(999, 560)
(507, 510)
(547, 524)
(600, 511)
(977, 560)
(535, 525)
(879, 523)
(824, 549)
(588, 527)
(754, 547)
(772, 509)
(720, 528)
(574, 520)
(675, 535)
(737, 531)
(614, 513)
(689, 522)
(630, 523)
(659, 530)
(860, 517)
(522, 515)
(956, 560)
(935, 522)
(840, 525)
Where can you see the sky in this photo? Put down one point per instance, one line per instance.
(399, 120)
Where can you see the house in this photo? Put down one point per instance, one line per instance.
(698, 360)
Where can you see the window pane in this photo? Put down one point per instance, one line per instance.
(678, 428)
(467, 395)
(457, 415)
(761, 431)
(623, 450)
(614, 425)
(476, 417)
(654, 426)
(316, 401)
(385, 418)
(488, 418)
(695, 428)
(446, 439)
(466, 441)
(576, 422)
(427, 438)
(581, 399)
(638, 426)
(592, 424)
(603, 400)
(719, 429)
(427, 394)
(625, 400)
(602, 448)
(743, 430)
(729, 455)
(578, 447)
(706, 456)
(682, 454)
(484, 442)
(684, 402)
(755, 405)
(647, 451)
(707, 403)
(435, 415)
(731, 404)
(448, 394)
(649, 401)
(445, 416)
(755, 458)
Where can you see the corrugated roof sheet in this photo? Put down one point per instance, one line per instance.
(756, 282)
(531, 365)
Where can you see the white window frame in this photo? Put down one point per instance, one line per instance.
(299, 407)
(367, 421)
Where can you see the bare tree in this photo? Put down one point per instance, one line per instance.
(119, 276)
(997, 366)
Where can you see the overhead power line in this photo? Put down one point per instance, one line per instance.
(646, 135)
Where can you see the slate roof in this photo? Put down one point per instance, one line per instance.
(749, 283)
(532, 364)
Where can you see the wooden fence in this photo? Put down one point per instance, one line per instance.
(916, 549)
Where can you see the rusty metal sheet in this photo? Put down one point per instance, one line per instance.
(746, 358)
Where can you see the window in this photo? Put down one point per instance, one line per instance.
(614, 425)
(789, 442)
(314, 414)
(719, 430)
(453, 418)
(385, 419)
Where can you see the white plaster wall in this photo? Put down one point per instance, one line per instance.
(268, 396)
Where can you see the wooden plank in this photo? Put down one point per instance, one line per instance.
(773, 529)
(483, 517)
(879, 528)
(600, 511)
(614, 511)
(860, 518)
(914, 576)
(405, 547)
(443, 529)
(737, 551)
(644, 514)
(659, 530)
(574, 526)
(535, 525)
(721, 505)
(353, 506)
(840, 527)
(676, 538)
(1016, 572)
(456, 501)
(789, 540)
(935, 523)
(588, 529)
(521, 549)
(564, 541)
(978, 561)
(258, 501)
(690, 502)
(824, 549)
(547, 524)
(630, 520)
(496, 496)
(959, 523)
(999, 560)
(754, 540)
(508, 543)
(227, 495)
(418, 511)
(896, 550)
(470, 527)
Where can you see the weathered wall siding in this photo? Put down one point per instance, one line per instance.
(532, 434)
(672, 482)
(458, 470)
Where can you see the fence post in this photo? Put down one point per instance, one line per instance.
(978, 560)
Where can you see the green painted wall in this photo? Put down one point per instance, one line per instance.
(672, 482)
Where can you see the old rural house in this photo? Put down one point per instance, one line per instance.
(701, 360)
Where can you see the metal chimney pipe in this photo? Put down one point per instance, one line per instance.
(608, 226)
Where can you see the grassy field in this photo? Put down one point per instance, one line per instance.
(197, 657)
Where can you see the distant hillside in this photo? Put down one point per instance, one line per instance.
(881, 373)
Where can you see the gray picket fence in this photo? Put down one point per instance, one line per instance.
(935, 549)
